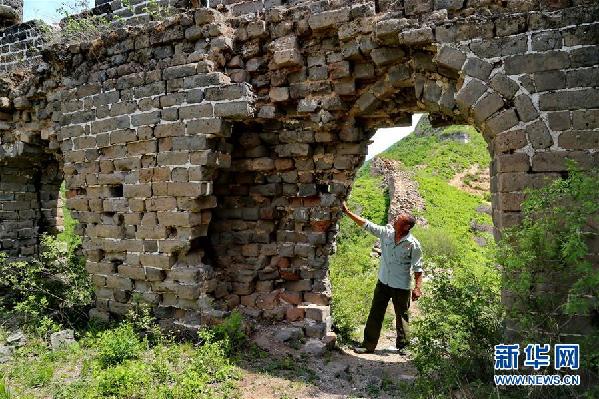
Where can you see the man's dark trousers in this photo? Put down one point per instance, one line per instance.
(401, 303)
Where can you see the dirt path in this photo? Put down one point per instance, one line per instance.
(474, 180)
(277, 370)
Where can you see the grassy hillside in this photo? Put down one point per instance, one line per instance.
(446, 240)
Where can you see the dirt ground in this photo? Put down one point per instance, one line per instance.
(474, 180)
(279, 370)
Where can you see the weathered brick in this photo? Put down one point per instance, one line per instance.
(386, 55)
(504, 85)
(487, 106)
(571, 99)
(538, 135)
(585, 119)
(470, 93)
(555, 161)
(477, 68)
(328, 19)
(450, 57)
(559, 120)
(516, 162)
(503, 121)
(579, 139)
(509, 141)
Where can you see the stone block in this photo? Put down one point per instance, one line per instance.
(579, 139)
(328, 19)
(286, 52)
(507, 87)
(501, 122)
(549, 80)
(414, 7)
(450, 57)
(516, 162)
(279, 94)
(525, 108)
(529, 63)
(314, 329)
(470, 93)
(386, 55)
(555, 161)
(415, 37)
(295, 313)
(180, 71)
(233, 109)
(585, 119)
(538, 135)
(317, 313)
(300, 285)
(477, 68)
(487, 106)
(559, 120)
(509, 141)
(205, 126)
(572, 99)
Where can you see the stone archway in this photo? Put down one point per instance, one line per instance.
(206, 156)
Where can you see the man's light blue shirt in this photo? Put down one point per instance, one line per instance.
(398, 261)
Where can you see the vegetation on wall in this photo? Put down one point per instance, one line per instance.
(551, 278)
(52, 290)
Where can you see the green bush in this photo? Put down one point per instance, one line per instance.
(232, 331)
(127, 380)
(51, 290)
(117, 345)
(4, 392)
(549, 275)
(438, 244)
(461, 320)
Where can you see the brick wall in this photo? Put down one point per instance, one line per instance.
(206, 156)
(20, 45)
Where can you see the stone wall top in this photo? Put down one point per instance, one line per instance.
(11, 12)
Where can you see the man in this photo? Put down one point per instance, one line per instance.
(401, 255)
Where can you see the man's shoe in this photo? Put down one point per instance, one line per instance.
(360, 350)
(400, 349)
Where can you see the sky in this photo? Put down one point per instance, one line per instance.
(383, 138)
(46, 10)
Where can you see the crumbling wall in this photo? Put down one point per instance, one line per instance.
(206, 156)
(20, 45)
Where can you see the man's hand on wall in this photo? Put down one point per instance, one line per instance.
(344, 207)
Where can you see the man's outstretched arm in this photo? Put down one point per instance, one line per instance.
(358, 219)
(374, 229)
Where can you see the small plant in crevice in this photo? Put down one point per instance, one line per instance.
(141, 318)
